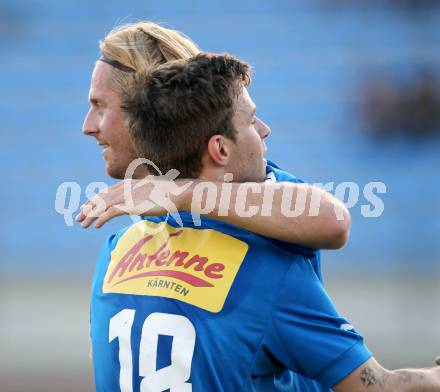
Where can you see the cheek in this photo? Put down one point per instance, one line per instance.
(120, 134)
(124, 137)
(257, 147)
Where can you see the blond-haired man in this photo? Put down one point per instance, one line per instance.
(187, 308)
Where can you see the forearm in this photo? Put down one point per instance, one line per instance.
(296, 213)
(371, 377)
(417, 380)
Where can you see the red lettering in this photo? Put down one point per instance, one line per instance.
(154, 255)
(140, 258)
(161, 257)
(201, 261)
(125, 261)
(212, 268)
(181, 256)
(176, 234)
(135, 260)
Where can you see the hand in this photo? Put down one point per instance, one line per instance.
(150, 195)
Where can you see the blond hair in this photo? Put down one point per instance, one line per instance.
(142, 46)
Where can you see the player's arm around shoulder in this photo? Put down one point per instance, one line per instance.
(297, 213)
(372, 377)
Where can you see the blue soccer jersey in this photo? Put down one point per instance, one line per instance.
(274, 173)
(212, 308)
(289, 381)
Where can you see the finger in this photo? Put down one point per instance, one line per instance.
(87, 207)
(80, 217)
(84, 210)
(111, 213)
(88, 221)
(97, 205)
(98, 200)
(91, 214)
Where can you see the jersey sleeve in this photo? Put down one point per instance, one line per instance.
(307, 335)
(274, 173)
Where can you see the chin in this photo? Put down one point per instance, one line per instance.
(115, 172)
(262, 177)
(254, 177)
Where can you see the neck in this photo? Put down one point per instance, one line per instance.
(212, 174)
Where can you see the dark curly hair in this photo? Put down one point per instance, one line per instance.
(176, 108)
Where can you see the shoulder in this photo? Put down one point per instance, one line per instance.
(275, 173)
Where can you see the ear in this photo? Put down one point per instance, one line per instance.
(219, 150)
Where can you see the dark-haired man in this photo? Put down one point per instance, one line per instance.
(199, 307)
(138, 47)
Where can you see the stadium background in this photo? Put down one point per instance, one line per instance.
(323, 69)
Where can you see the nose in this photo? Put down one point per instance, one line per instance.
(263, 129)
(89, 126)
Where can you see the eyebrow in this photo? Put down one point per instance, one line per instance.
(94, 100)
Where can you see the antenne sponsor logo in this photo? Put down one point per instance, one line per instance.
(192, 265)
(135, 260)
